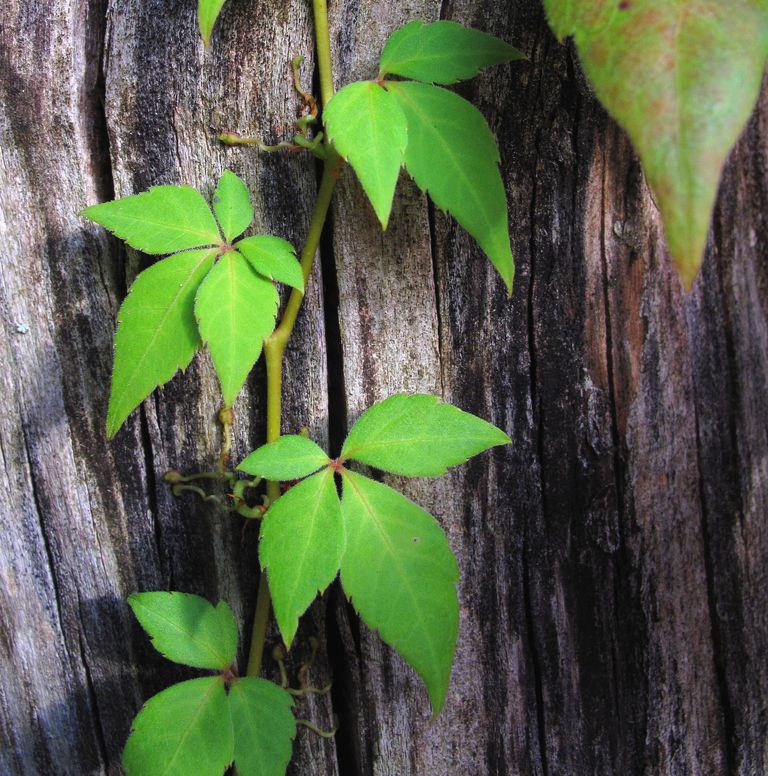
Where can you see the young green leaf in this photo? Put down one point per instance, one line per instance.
(273, 258)
(301, 545)
(264, 727)
(400, 575)
(187, 629)
(682, 78)
(442, 52)
(236, 311)
(367, 127)
(207, 13)
(232, 205)
(186, 729)
(452, 155)
(156, 333)
(288, 458)
(419, 436)
(164, 219)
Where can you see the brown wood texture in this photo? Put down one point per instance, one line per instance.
(614, 597)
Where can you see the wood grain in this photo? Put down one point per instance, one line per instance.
(613, 592)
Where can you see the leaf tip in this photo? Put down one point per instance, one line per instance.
(507, 272)
(437, 698)
(205, 34)
(113, 426)
(436, 710)
(287, 631)
(688, 268)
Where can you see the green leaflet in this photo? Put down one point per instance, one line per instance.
(232, 205)
(274, 258)
(301, 545)
(442, 52)
(367, 127)
(235, 309)
(682, 78)
(156, 333)
(164, 219)
(264, 727)
(196, 727)
(418, 436)
(207, 13)
(452, 155)
(287, 458)
(235, 306)
(187, 629)
(186, 729)
(400, 574)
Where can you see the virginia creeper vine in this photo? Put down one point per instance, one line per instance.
(392, 557)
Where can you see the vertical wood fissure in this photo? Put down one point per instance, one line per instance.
(532, 640)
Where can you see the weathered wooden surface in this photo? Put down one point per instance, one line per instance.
(614, 595)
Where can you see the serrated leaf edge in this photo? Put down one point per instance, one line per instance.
(436, 709)
(132, 602)
(112, 426)
(287, 634)
(465, 182)
(346, 455)
(206, 244)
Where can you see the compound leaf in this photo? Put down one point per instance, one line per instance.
(452, 155)
(274, 258)
(182, 730)
(207, 13)
(264, 727)
(442, 52)
(188, 629)
(236, 311)
(156, 333)
(232, 205)
(682, 78)
(400, 574)
(164, 219)
(301, 546)
(418, 435)
(367, 126)
(287, 458)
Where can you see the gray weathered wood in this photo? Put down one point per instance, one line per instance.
(613, 592)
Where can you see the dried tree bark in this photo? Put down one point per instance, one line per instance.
(613, 592)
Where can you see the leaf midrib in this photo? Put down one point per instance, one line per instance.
(309, 535)
(169, 309)
(682, 157)
(350, 478)
(407, 440)
(320, 493)
(188, 729)
(254, 720)
(164, 226)
(464, 181)
(378, 130)
(221, 663)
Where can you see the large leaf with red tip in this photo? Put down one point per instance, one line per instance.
(681, 77)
